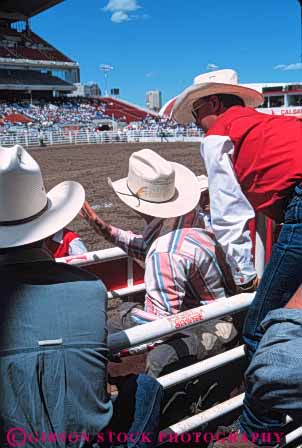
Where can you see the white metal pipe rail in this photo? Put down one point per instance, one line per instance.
(202, 367)
(197, 420)
(126, 291)
(97, 256)
(294, 435)
(172, 324)
(219, 410)
(199, 368)
(107, 255)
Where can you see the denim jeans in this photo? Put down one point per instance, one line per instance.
(282, 275)
(274, 377)
(148, 401)
(136, 412)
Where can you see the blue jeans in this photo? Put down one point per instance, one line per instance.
(148, 401)
(282, 275)
(137, 412)
(274, 377)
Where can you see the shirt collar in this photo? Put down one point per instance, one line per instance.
(191, 219)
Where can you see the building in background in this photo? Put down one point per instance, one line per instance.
(86, 90)
(153, 100)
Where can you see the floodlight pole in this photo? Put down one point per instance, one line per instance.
(106, 69)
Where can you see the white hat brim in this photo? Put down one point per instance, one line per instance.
(182, 109)
(186, 198)
(65, 201)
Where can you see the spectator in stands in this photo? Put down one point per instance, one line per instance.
(182, 265)
(273, 381)
(76, 112)
(254, 163)
(65, 243)
(53, 341)
(41, 138)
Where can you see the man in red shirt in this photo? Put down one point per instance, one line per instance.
(254, 163)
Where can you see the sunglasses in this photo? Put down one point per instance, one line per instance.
(196, 109)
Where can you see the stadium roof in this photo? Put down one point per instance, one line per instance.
(15, 10)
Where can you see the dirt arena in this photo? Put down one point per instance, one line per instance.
(91, 165)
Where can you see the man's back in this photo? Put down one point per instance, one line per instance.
(266, 155)
(199, 265)
(184, 266)
(53, 350)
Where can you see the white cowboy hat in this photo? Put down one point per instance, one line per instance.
(166, 109)
(156, 187)
(27, 213)
(220, 81)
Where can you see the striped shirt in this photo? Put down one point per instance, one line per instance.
(184, 267)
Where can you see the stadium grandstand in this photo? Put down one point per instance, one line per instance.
(30, 67)
(37, 80)
(124, 111)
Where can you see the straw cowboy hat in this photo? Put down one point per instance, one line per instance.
(156, 187)
(27, 213)
(220, 81)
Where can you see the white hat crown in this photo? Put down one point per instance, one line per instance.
(27, 213)
(22, 192)
(226, 76)
(150, 177)
(212, 83)
(158, 187)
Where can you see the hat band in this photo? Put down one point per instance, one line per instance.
(25, 220)
(138, 196)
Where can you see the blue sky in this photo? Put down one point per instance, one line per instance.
(163, 44)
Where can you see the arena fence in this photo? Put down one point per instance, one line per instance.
(85, 136)
(123, 275)
(144, 337)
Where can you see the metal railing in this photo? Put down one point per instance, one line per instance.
(138, 339)
(85, 136)
(166, 326)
